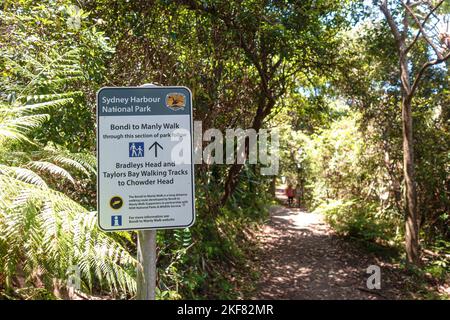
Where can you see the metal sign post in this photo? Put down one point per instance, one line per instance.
(146, 272)
(146, 256)
(145, 167)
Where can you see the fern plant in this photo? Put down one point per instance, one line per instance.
(44, 234)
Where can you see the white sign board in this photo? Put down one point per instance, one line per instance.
(145, 160)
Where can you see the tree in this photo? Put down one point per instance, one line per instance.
(281, 41)
(409, 25)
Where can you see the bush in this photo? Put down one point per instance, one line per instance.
(357, 219)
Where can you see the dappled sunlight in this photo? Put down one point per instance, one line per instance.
(301, 220)
(304, 259)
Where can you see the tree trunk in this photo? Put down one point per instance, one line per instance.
(273, 186)
(412, 221)
(412, 225)
(264, 108)
(408, 91)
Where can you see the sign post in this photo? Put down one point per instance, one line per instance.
(146, 256)
(146, 273)
(145, 167)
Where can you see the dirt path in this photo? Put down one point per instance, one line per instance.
(303, 259)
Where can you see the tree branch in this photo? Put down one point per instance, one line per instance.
(421, 26)
(423, 69)
(391, 22)
(425, 20)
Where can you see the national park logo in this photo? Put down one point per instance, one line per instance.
(175, 101)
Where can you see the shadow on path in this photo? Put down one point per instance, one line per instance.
(303, 259)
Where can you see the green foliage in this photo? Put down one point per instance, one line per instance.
(355, 219)
(51, 68)
(43, 233)
(354, 166)
(43, 122)
(206, 260)
(438, 259)
(332, 92)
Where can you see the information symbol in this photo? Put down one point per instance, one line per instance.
(116, 202)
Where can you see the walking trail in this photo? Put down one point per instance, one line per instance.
(302, 258)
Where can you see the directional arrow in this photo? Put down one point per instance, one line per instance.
(156, 145)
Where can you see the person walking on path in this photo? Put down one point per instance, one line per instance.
(290, 193)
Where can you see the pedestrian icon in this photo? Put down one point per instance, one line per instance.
(116, 202)
(116, 221)
(136, 149)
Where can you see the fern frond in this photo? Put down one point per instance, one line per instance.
(84, 162)
(48, 97)
(53, 233)
(62, 160)
(52, 169)
(16, 128)
(24, 175)
(43, 105)
(61, 81)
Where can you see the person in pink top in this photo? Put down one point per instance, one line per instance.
(290, 193)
